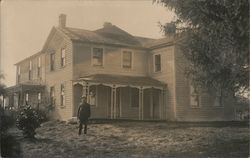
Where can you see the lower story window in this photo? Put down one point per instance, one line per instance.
(62, 95)
(194, 97)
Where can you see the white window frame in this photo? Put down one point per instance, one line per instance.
(62, 95)
(92, 54)
(63, 57)
(132, 59)
(54, 61)
(39, 96)
(154, 55)
(27, 97)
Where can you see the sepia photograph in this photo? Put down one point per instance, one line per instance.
(124, 79)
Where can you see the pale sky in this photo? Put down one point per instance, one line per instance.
(25, 24)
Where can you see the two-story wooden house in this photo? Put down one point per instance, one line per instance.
(123, 77)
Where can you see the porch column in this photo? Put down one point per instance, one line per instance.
(113, 102)
(163, 104)
(151, 104)
(161, 108)
(141, 109)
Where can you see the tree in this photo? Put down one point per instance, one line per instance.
(213, 36)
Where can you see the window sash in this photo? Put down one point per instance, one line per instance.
(63, 57)
(127, 59)
(52, 61)
(27, 97)
(62, 95)
(157, 62)
(39, 96)
(97, 56)
(194, 97)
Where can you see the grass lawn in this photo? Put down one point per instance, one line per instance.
(113, 139)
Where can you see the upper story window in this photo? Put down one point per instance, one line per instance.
(126, 59)
(97, 57)
(62, 95)
(157, 63)
(63, 61)
(39, 67)
(30, 70)
(52, 62)
(18, 74)
(194, 97)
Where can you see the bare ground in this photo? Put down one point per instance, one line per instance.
(137, 139)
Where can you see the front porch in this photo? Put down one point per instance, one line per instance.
(22, 94)
(121, 97)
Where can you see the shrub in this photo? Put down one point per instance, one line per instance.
(28, 119)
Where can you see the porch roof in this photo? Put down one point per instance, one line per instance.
(123, 80)
(24, 87)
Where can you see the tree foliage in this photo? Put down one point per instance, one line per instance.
(214, 38)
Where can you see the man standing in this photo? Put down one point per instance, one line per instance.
(83, 114)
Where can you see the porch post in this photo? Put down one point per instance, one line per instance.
(115, 106)
(113, 102)
(141, 103)
(151, 103)
(163, 104)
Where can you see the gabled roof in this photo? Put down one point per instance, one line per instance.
(111, 34)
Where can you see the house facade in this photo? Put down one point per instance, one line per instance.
(123, 77)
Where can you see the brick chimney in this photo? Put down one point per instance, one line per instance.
(107, 24)
(62, 20)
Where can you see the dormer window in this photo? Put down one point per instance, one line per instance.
(63, 61)
(157, 63)
(127, 59)
(97, 57)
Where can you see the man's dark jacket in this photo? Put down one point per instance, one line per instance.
(84, 112)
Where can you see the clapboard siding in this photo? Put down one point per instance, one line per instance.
(60, 75)
(112, 63)
(206, 111)
(166, 76)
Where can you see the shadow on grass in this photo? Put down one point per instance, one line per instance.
(10, 147)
